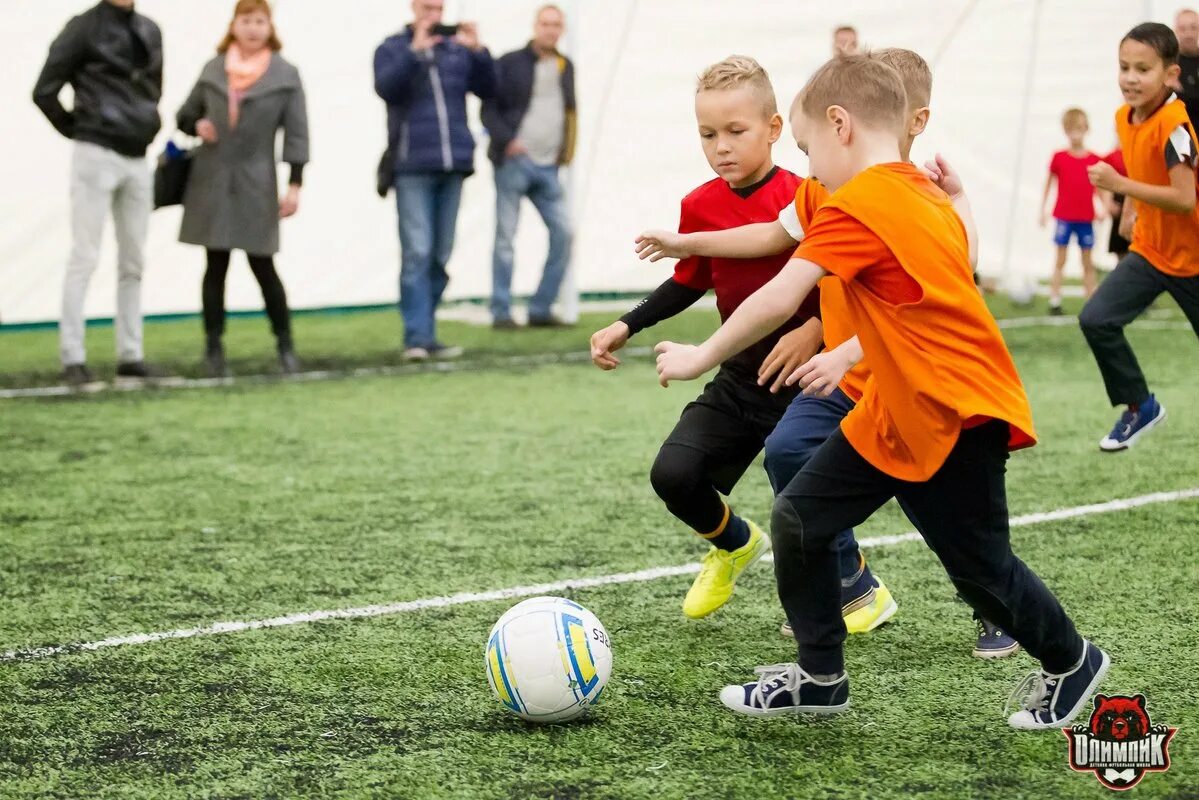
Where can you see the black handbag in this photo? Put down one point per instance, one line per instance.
(171, 174)
(385, 172)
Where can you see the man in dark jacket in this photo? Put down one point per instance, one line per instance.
(112, 57)
(424, 78)
(531, 120)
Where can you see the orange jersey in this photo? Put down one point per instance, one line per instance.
(938, 362)
(834, 313)
(1167, 240)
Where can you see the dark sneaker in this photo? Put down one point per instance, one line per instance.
(1055, 311)
(993, 641)
(77, 375)
(289, 362)
(214, 362)
(137, 372)
(504, 325)
(1051, 701)
(1132, 424)
(548, 322)
(787, 689)
(445, 352)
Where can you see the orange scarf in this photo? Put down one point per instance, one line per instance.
(243, 73)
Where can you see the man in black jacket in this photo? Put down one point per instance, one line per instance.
(112, 57)
(531, 121)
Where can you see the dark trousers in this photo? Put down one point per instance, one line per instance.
(1122, 297)
(273, 296)
(964, 520)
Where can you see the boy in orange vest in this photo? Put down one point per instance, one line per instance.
(939, 413)
(1159, 146)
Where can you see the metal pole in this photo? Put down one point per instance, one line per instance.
(568, 294)
(1014, 206)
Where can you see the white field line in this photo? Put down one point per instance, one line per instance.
(512, 592)
(533, 360)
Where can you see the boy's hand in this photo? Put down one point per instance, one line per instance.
(945, 176)
(792, 350)
(822, 373)
(656, 245)
(606, 342)
(1044, 218)
(1104, 176)
(679, 362)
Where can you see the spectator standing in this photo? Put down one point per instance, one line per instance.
(424, 74)
(532, 123)
(244, 96)
(1186, 28)
(112, 58)
(1074, 212)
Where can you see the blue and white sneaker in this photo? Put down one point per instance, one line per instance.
(993, 641)
(1051, 701)
(787, 689)
(1132, 424)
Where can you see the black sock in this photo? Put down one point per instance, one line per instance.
(734, 533)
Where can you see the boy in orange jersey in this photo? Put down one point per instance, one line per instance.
(834, 380)
(1159, 146)
(942, 408)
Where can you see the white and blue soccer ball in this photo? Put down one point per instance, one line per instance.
(548, 659)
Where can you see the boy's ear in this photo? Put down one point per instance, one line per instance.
(919, 122)
(776, 128)
(1172, 73)
(841, 121)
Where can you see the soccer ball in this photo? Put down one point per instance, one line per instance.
(548, 659)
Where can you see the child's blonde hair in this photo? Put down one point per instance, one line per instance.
(863, 85)
(913, 70)
(737, 72)
(1075, 118)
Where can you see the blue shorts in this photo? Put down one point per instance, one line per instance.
(1083, 231)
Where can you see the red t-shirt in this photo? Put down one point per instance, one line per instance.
(1116, 159)
(1075, 194)
(716, 206)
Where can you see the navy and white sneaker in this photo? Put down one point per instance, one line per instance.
(787, 689)
(1132, 424)
(1051, 701)
(993, 641)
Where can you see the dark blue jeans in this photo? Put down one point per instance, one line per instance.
(806, 424)
(428, 209)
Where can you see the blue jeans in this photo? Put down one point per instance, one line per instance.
(428, 210)
(807, 423)
(517, 178)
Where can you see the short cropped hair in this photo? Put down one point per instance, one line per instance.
(1075, 117)
(863, 85)
(845, 29)
(913, 70)
(737, 72)
(1158, 36)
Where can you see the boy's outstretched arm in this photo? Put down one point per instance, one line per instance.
(666, 301)
(1178, 197)
(749, 241)
(764, 311)
(945, 176)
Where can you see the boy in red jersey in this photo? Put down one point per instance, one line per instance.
(941, 410)
(720, 434)
(1159, 145)
(1074, 212)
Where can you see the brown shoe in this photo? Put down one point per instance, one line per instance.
(549, 322)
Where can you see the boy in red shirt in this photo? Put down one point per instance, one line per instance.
(1074, 213)
(720, 433)
(1159, 145)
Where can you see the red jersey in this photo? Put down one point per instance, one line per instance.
(1075, 194)
(1116, 159)
(716, 206)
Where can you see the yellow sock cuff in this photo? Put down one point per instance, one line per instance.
(724, 523)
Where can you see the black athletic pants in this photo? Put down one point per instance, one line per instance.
(1122, 297)
(273, 295)
(964, 519)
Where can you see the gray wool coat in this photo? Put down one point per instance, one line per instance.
(232, 197)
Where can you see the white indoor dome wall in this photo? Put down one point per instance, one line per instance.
(638, 151)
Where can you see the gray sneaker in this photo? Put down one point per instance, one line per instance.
(77, 375)
(415, 354)
(446, 352)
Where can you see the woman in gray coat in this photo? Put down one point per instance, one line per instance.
(243, 98)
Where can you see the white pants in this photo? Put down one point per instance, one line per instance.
(102, 181)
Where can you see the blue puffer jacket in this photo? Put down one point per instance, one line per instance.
(427, 128)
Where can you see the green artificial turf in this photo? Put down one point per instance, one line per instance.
(131, 513)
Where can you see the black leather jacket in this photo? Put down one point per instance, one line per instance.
(112, 57)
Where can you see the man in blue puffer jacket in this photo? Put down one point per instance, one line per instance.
(424, 78)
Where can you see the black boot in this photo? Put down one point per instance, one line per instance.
(214, 359)
(289, 362)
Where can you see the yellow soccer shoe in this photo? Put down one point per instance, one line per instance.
(880, 608)
(718, 573)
